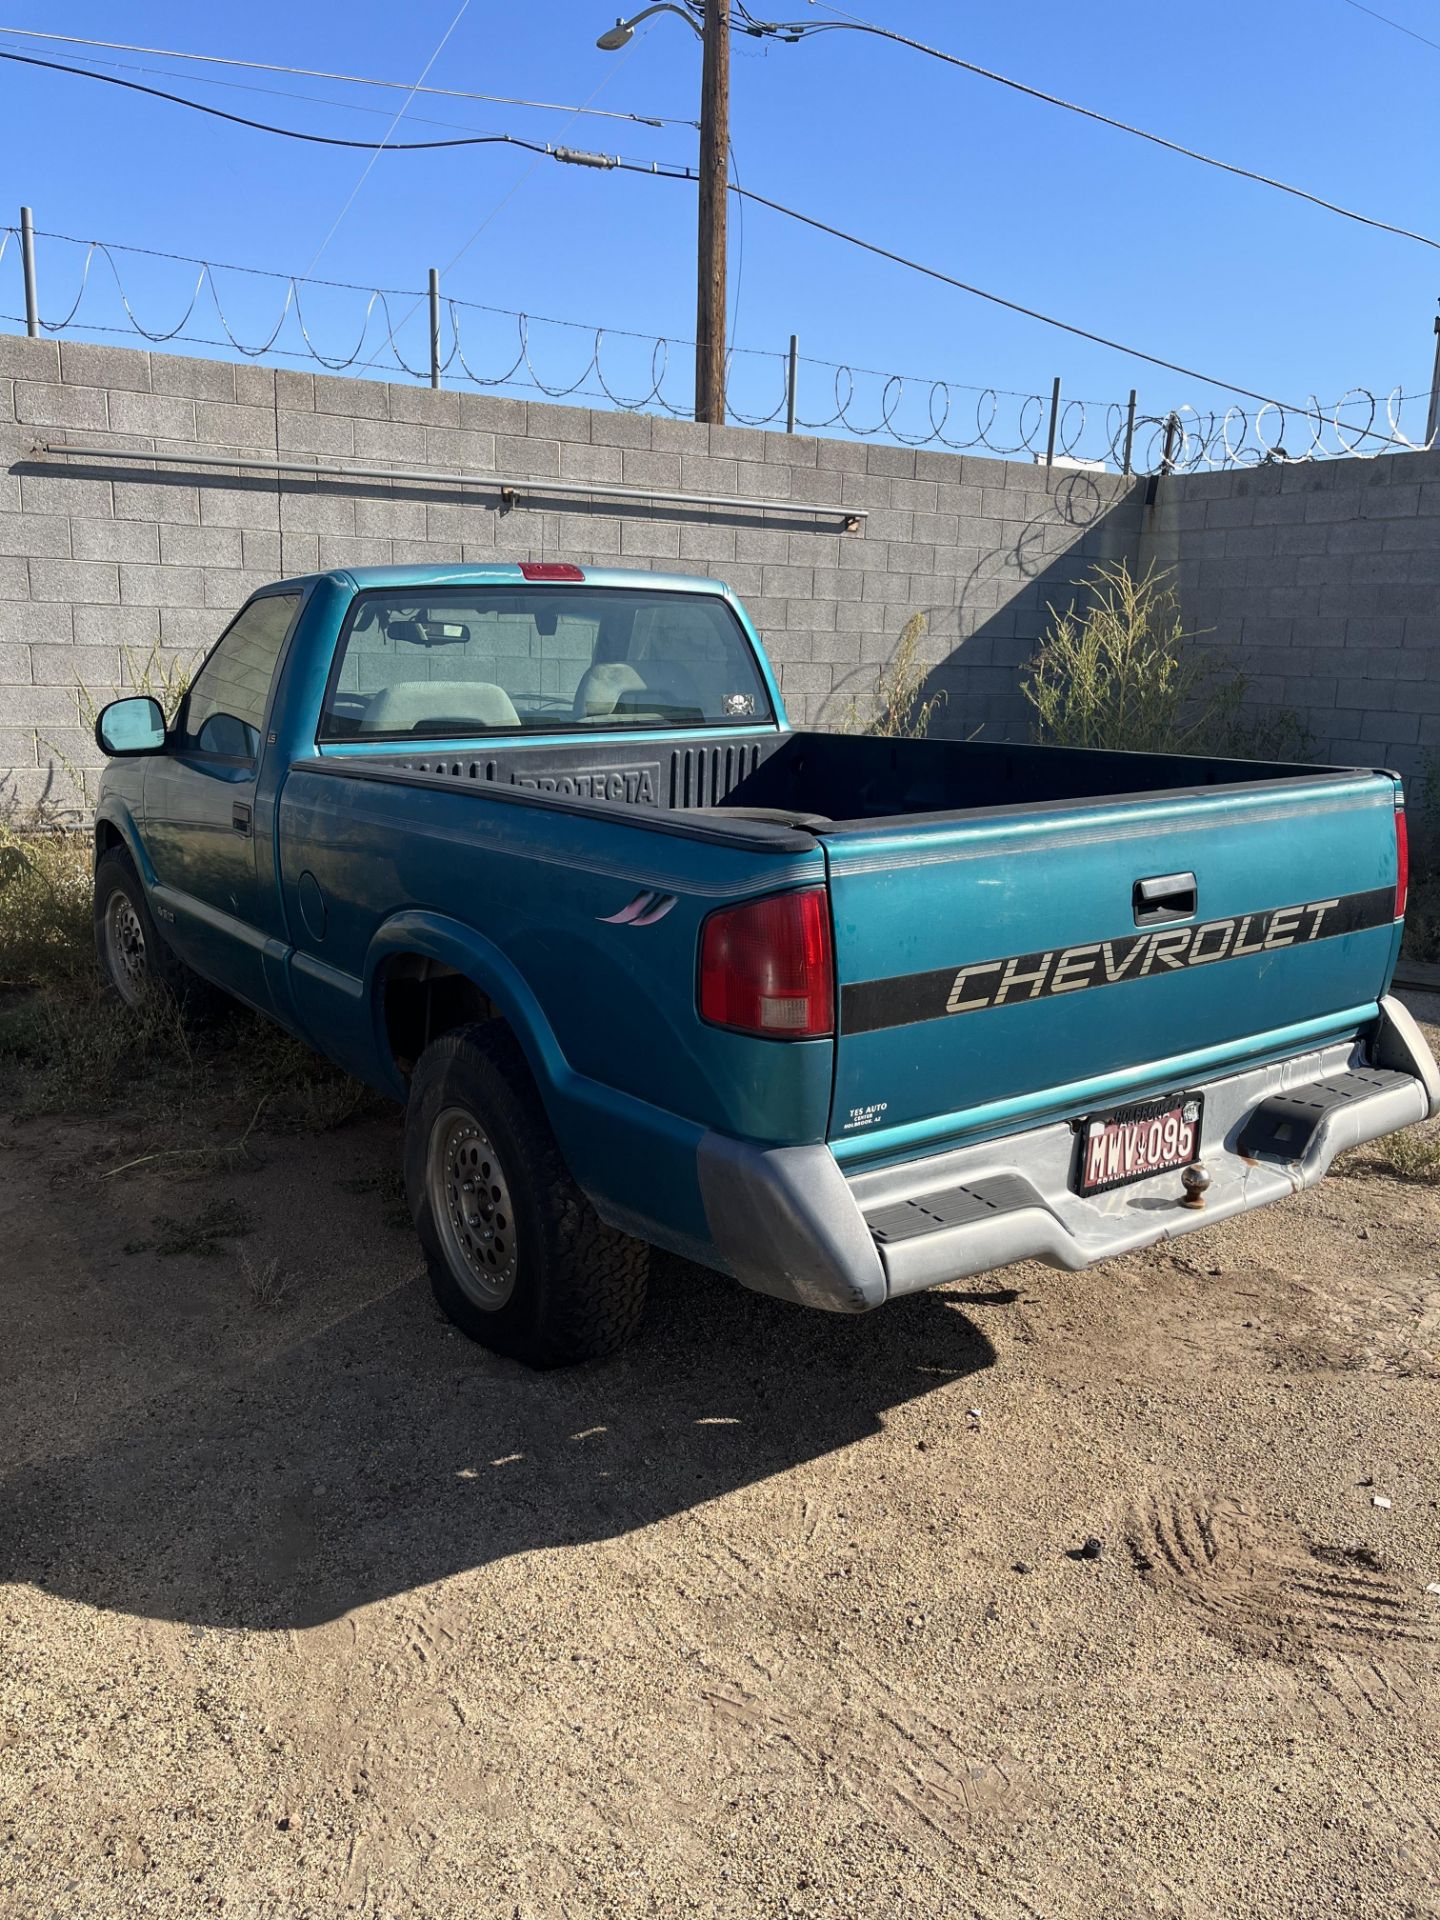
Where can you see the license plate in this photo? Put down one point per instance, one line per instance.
(1133, 1142)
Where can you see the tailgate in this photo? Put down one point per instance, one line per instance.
(988, 963)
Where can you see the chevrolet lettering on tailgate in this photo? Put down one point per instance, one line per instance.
(871, 1005)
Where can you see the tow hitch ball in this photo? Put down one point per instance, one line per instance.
(1196, 1181)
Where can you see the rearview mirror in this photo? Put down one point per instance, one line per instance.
(136, 725)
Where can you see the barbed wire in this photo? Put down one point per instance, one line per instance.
(501, 349)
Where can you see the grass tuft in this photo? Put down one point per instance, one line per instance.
(1120, 669)
(896, 706)
(300, 1091)
(268, 1284)
(82, 1049)
(203, 1233)
(390, 1186)
(46, 881)
(1412, 1156)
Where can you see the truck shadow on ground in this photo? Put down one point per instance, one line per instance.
(387, 1452)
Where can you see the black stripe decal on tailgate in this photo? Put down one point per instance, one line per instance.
(866, 1006)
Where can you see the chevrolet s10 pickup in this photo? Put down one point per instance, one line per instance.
(534, 849)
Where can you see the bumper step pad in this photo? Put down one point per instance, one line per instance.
(953, 1207)
(1280, 1127)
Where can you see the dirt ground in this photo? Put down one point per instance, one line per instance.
(313, 1608)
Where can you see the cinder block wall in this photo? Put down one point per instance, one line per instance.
(1321, 582)
(101, 563)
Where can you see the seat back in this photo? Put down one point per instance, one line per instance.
(602, 687)
(410, 703)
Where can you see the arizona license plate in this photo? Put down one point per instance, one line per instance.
(1133, 1142)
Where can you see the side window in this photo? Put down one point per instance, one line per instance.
(226, 706)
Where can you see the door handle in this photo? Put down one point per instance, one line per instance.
(1165, 896)
(240, 816)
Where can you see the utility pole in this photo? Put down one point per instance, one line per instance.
(714, 173)
(1432, 423)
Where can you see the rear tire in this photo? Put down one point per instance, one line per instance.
(134, 960)
(518, 1257)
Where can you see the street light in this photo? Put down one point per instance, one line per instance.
(714, 167)
(623, 31)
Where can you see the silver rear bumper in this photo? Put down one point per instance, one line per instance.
(788, 1222)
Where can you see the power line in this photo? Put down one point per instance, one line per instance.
(794, 30)
(515, 187)
(996, 299)
(1014, 306)
(348, 79)
(517, 184)
(1399, 28)
(274, 93)
(369, 164)
(850, 23)
(545, 148)
(656, 171)
(287, 133)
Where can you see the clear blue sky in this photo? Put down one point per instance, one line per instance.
(1018, 197)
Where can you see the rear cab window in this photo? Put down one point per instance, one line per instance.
(421, 661)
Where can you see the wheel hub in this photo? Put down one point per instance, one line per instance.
(470, 1202)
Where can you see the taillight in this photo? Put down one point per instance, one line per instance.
(1402, 862)
(549, 570)
(768, 967)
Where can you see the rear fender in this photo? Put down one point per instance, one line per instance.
(636, 1162)
(452, 944)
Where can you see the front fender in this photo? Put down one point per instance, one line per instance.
(115, 812)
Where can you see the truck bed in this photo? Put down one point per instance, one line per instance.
(836, 781)
(1223, 909)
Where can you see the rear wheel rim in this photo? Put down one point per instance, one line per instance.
(125, 954)
(471, 1205)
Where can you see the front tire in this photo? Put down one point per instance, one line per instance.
(518, 1257)
(134, 959)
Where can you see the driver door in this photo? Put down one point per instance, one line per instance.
(200, 801)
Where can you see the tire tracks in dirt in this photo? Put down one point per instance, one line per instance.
(1267, 1588)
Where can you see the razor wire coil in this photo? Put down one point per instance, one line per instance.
(499, 349)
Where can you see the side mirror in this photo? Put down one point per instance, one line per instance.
(136, 725)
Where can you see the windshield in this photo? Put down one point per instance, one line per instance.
(465, 660)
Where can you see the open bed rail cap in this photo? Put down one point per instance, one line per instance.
(470, 772)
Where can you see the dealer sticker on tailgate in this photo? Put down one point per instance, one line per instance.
(1133, 1142)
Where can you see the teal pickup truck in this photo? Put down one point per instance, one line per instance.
(533, 849)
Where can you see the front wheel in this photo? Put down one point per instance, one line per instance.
(134, 960)
(518, 1257)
